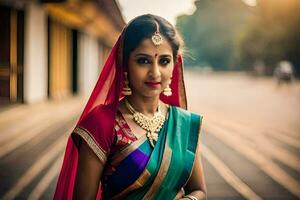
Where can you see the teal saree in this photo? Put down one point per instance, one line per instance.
(160, 173)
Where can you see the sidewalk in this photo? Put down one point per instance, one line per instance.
(22, 122)
(32, 143)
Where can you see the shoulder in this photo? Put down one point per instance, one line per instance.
(99, 111)
(189, 123)
(99, 117)
(98, 126)
(189, 118)
(186, 113)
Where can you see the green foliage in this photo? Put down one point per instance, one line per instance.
(228, 34)
(210, 31)
(272, 35)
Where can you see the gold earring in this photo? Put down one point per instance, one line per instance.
(126, 89)
(167, 91)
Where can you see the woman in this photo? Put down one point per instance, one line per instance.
(134, 139)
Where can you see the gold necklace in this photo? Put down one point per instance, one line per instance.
(151, 125)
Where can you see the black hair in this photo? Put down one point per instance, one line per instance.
(143, 27)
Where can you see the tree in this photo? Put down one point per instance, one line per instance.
(272, 35)
(211, 30)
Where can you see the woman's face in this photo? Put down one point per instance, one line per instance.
(150, 68)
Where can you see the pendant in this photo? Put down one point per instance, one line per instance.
(152, 136)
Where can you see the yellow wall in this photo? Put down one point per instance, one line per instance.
(60, 60)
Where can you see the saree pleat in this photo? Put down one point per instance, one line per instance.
(128, 170)
(151, 168)
(183, 155)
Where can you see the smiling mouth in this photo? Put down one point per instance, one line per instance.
(153, 84)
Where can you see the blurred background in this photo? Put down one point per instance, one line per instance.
(242, 69)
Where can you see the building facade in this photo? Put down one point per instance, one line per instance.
(53, 49)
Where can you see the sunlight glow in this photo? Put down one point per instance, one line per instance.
(168, 9)
(250, 2)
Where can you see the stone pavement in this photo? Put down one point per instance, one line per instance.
(250, 135)
(32, 142)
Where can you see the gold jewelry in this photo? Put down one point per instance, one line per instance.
(157, 38)
(126, 89)
(151, 125)
(191, 197)
(167, 91)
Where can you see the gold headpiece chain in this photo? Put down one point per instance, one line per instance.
(156, 37)
(151, 125)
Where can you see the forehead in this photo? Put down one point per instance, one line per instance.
(147, 46)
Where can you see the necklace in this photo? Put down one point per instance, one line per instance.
(151, 125)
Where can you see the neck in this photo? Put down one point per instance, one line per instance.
(146, 105)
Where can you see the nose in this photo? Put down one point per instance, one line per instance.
(154, 71)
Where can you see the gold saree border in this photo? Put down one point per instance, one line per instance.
(137, 184)
(90, 140)
(123, 153)
(162, 172)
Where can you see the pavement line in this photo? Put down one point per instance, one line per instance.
(263, 144)
(285, 139)
(41, 187)
(18, 112)
(232, 179)
(13, 144)
(9, 131)
(286, 131)
(217, 116)
(263, 162)
(49, 154)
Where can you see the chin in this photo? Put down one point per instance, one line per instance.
(152, 93)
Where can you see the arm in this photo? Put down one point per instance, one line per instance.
(196, 185)
(88, 174)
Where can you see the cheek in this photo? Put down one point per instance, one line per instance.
(133, 74)
(167, 73)
(136, 75)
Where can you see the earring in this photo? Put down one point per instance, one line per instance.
(167, 91)
(126, 89)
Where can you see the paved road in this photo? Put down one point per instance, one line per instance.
(32, 142)
(250, 139)
(250, 135)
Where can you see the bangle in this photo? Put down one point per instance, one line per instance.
(191, 197)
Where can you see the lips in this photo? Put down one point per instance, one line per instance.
(152, 84)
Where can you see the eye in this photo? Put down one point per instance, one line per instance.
(164, 61)
(143, 60)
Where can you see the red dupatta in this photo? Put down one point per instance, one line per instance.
(107, 92)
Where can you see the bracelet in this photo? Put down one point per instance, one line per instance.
(191, 197)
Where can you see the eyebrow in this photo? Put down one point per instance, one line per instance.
(149, 56)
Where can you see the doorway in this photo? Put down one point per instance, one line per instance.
(11, 55)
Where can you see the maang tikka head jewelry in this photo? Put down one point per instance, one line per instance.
(156, 37)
